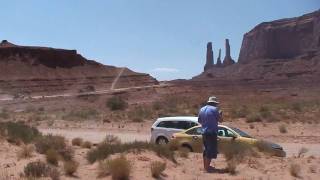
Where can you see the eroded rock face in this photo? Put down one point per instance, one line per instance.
(219, 63)
(42, 69)
(209, 57)
(227, 59)
(282, 39)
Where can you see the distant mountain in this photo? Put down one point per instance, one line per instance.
(32, 69)
(284, 51)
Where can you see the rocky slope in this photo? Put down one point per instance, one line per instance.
(26, 69)
(281, 51)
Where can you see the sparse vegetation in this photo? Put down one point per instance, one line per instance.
(104, 150)
(157, 168)
(77, 141)
(86, 144)
(254, 117)
(70, 167)
(184, 152)
(116, 103)
(119, 168)
(26, 151)
(4, 114)
(19, 132)
(302, 152)
(111, 139)
(84, 114)
(52, 157)
(140, 113)
(56, 143)
(39, 169)
(295, 170)
(283, 128)
(240, 112)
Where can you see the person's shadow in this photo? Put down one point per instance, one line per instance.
(218, 171)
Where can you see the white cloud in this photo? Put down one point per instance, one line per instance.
(165, 70)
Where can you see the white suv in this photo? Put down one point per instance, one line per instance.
(163, 129)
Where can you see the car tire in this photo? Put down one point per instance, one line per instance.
(187, 147)
(162, 140)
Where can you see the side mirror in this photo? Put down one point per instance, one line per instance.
(233, 136)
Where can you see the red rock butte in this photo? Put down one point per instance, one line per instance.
(42, 69)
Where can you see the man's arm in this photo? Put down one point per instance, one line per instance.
(220, 116)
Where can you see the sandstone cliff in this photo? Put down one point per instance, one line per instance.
(286, 50)
(41, 70)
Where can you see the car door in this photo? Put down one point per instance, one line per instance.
(225, 141)
(195, 139)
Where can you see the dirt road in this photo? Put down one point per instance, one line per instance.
(97, 136)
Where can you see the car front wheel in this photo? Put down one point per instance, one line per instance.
(162, 140)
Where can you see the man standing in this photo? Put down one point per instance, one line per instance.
(209, 116)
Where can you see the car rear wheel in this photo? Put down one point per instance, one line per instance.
(162, 140)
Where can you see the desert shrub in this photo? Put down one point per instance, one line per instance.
(157, 105)
(87, 144)
(296, 107)
(4, 114)
(174, 145)
(77, 141)
(139, 113)
(235, 153)
(111, 139)
(104, 150)
(254, 117)
(119, 168)
(295, 170)
(157, 168)
(240, 112)
(184, 152)
(83, 114)
(282, 128)
(57, 143)
(251, 126)
(17, 132)
(302, 151)
(116, 103)
(44, 143)
(52, 157)
(39, 169)
(26, 151)
(70, 167)
(265, 112)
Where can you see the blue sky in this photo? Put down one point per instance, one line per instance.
(166, 38)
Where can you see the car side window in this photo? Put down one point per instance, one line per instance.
(221, 132)
(230, 134)
(166, 124)
(194, 131)
(182, 125)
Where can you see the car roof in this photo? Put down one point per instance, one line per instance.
(179, 118)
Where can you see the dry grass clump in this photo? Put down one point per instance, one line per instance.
(104, 150)
(87, 144)
(70, 167)
(174, 145)
(57, 143)
(235, 153)
(157, 168)
(240, 112)
(140, 113)
(83, 114)
(302, 151)
(19, 132)
(253, 117)
(116, 103)
(283, 128)
(111, 139)
(38, 169)
(26, 151)
(295, 170)
(52, 157)
(119, 168)
(184, 152)
(77, 141)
